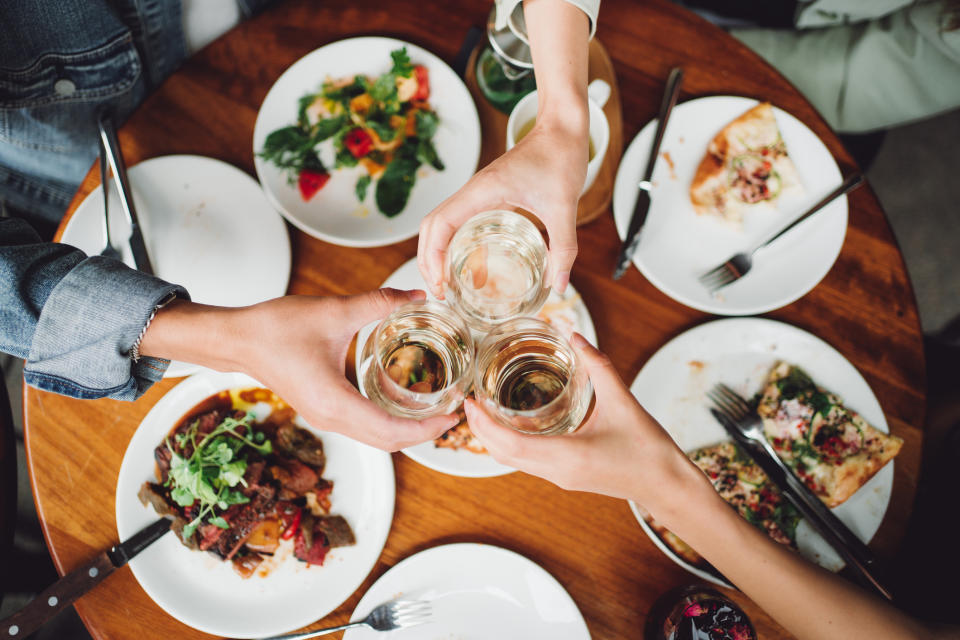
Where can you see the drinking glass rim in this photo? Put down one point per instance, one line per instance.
(522, 220)
(435, 307)
(528, 413)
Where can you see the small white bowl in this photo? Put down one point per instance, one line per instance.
(598, 93)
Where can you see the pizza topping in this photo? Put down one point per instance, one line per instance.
(753, 178)
(836, 440)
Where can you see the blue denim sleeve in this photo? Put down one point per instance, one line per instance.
(74, 318)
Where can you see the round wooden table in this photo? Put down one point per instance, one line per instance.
(864, 307)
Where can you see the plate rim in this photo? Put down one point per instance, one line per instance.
(218, 381)
(178, 369)
(474, 547)
(634, 507)
(258, 163)
(710, 308)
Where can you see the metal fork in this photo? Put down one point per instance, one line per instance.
(738, 266)
(737, 416)
(398, 614)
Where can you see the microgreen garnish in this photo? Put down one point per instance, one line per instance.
(216, 465)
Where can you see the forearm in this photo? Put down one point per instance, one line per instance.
(559, 36)
(806, 599)
(213, 337)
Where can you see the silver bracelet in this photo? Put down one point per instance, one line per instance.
(135, 349)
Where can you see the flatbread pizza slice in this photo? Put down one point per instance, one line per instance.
(830, 447)
(747, 489)
(746, 167)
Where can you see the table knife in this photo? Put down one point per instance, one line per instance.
(108, 137)
(632, 239)
(67, 589)
(856, 554)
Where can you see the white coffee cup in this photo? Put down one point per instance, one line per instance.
(598, 93)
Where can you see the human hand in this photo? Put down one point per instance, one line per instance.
(620, 451)
(542, 174)
(296, 346)
(304, 361)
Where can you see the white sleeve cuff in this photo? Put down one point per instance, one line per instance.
(507, 8)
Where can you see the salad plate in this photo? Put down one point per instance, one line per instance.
(326, 197)
(206, 593)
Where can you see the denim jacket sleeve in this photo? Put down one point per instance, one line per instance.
(74, 318)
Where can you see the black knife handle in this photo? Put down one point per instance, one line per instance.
(57, 597)
(140, 256)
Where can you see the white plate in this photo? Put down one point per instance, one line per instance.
(478, 592)
(334, 214)
(207, 226)
(461, 462)
(205, 593)
(677, 245)
(740, 352)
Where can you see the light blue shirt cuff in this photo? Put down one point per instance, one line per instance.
(88, 325)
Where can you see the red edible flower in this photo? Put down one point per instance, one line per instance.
(311, 181)
(423, 82)
(358, 142)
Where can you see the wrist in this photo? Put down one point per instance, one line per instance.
(200, 334)
(687, 499)
(566, 113)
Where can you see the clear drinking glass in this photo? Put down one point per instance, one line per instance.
(530, 378)
(496, 268)
(418, 362)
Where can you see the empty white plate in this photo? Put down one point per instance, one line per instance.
(677, 245)
(477, 592)
(207, 226)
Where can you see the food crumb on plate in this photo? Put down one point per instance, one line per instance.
(669, 160)
(696, 365)
(361, 211)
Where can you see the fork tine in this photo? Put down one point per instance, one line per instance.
(734, 397)
(724, 404)
(723, 276)
(715, 276)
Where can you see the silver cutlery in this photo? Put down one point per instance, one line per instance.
(738, 266)
(109, 251)
(398, 614)
(110, 146)
(640, 210)
(67, 589)
(743, 424)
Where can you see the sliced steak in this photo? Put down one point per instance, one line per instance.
(302, 445)
(294, 478)
(336, 530)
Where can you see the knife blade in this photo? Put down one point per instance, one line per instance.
(66, 590)
(861, 561)
(108, 135)
(640, 210)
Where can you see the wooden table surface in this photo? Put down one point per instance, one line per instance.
(864, 307)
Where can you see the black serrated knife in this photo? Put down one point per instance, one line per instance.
(67, 589)
(632, 239)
